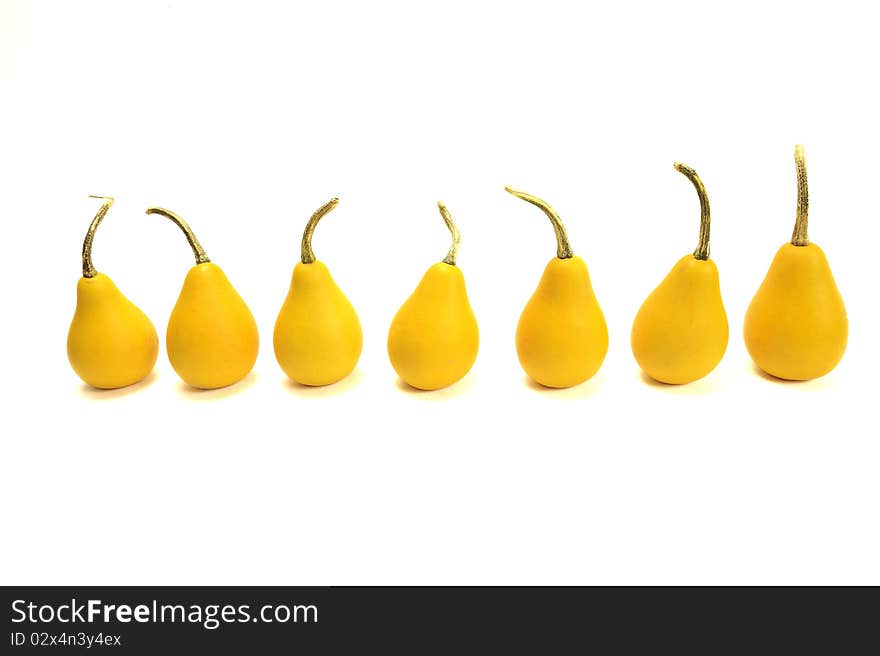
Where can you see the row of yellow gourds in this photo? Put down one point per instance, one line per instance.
(795, 328)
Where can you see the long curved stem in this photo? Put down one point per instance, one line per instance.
(456, 235)
(563, 247)
(702, 250)
(308, 255)
(88, 269)
(799, 236)
(198, 251)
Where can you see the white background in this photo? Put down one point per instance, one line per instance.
(246, 117)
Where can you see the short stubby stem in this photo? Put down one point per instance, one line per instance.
(88, 269)
(453, 229)
(799, 236)
(308, 255)
(198, 251)
(563, 247)
(702, 250)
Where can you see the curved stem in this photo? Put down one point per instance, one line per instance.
(799, 236)
(702, 250)
(456, 235)
(198, 251)
(563, 247)
(308, 255)
(88, 269)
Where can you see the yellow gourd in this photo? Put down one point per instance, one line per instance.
(212, 338)
(680, 332)
(317, 336)
(433, 339)
(562, 337)
(111, 342)
(796, 326)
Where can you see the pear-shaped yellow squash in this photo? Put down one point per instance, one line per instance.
(680, 333)
(111, 342)
(318, 336)
(796, 326)
(433, 339)
(562, 337)
(212, 338)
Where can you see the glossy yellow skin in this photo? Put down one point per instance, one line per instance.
(111, 343)
(212, 337)
(680, 333)
(562, 338)
(433, 339)
(318, 335)
(796, 326)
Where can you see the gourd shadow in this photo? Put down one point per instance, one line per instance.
(583, 390)
(198, 394)
(89, 392)
(816, 383)
(456, 389)
(704, 385)
(320, 391)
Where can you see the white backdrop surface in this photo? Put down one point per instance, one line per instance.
(245, 117)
